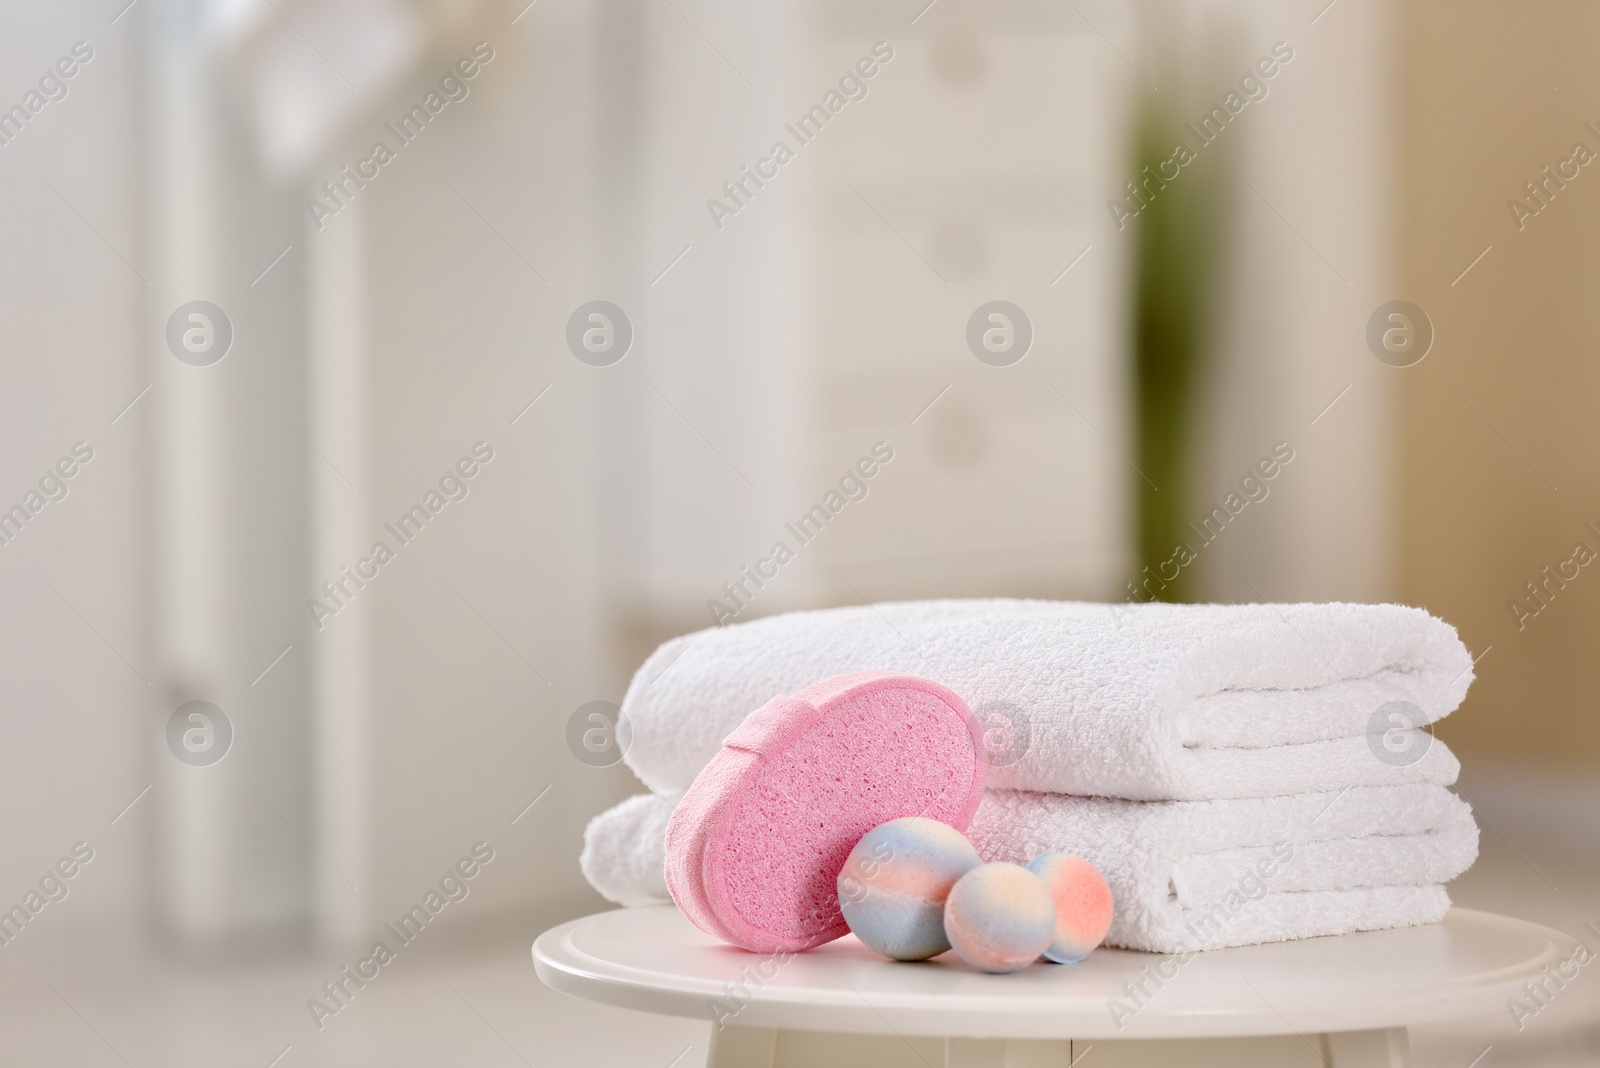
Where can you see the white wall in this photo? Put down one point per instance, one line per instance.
(72, 699)
(1312, 257)
(469, 688)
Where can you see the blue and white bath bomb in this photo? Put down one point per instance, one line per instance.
(893, 885)
(999, 917)
(1083, 905)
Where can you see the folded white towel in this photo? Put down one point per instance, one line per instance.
(625, 849)
(1186, 875)
(1191, 875)
(1153, 701)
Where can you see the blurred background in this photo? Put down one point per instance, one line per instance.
(242, 345)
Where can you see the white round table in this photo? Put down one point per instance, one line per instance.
(1341, 1002)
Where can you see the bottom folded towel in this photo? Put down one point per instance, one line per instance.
(625, 851)
(1186, 875)
(1192, 875)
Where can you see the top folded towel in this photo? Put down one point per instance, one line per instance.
(1149, 702)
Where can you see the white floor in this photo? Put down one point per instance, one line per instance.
(115, 1001)
(472, 998)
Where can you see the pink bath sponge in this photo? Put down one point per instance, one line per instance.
(756, 845)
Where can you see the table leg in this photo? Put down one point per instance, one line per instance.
(1389, 1048)
(759, 1047)
(742, 1047)
(1003, 1053)
(1344, 1049)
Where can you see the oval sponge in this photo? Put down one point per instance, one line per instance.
(756, 845)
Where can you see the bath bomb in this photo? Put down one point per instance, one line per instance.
(754, 849)
(1083, 905)
(895, 881)
(999, 917)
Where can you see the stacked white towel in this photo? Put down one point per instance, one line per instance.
(1192, 875)
(625, 851)
(1241, 773)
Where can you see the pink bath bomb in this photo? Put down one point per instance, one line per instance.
(1083, 905)
(999, 917)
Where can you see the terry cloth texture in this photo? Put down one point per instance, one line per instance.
(1147, 702)
(624, 848)
(1192, 875)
